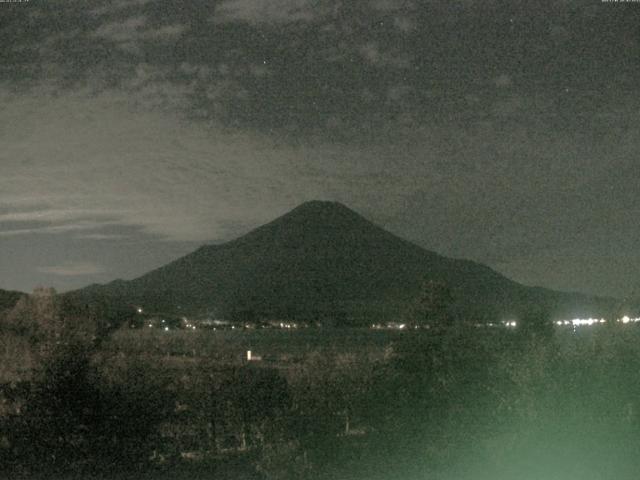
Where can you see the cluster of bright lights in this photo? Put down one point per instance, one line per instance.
(389, 326)
(503, 324)
(187, 324)
(627, 319)
(288, 325)
(580, 322)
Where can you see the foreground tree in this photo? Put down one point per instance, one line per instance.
(536, 324)
(75, 419)
(432, 307)
(78, 422)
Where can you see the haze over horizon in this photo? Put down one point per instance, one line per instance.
(136, 131)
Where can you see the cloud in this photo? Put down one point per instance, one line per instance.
(392, 5)
(150, 87)
(141, 168)
(166, 32)
(125, 31)
(101, 236)
(503, 80)
(373, 54)
(129, 34)
(265, 11)
(52, 230)
(78, 163)
(73, 269)
(47, 215)
(116, 6)
(405, 24)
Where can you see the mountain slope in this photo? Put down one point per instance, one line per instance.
(324, 261)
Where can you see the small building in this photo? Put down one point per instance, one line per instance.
(251, 357)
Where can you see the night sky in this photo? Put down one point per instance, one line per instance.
(505, 132)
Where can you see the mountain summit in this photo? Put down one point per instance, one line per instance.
(323, 261)
(313, 221)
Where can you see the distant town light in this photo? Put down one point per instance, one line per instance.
(580, 322)
(166, 329)
(139, 309)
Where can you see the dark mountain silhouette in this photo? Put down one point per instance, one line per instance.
(322, 261)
